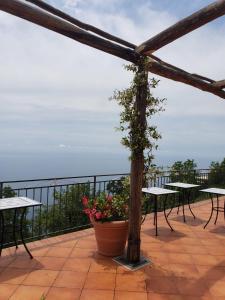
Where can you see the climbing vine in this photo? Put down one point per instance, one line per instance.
(139, 137)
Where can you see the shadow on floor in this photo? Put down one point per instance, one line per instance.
(219, 230)
(189, 220)
(17, 269)
(161, 279)
(164, 234)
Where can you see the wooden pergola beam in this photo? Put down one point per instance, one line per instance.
(203, 78)
(47, 20)
(179, 69)
(186, 25)
(170, 72)
(88, 27)
(157, 66)
(219, 84)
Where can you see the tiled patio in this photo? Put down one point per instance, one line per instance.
(187, 264)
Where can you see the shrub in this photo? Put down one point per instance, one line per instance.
(217, 173)
(183, 171)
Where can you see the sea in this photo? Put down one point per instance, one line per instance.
(21, 166)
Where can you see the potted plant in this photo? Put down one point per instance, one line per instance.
(109, 215)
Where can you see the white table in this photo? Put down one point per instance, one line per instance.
(218, 192)
(156, 193)
(15, 203)
(185, 188)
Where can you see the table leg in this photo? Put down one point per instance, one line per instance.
(217, 209)
(173, 207)
(224, 209)
(188, 198)
(154, 210)
(14, 228)
(182, 200)
(145, 213)
(21, 232)
(179, 198)
(2, 231)
(169, 212)
(143, 219)
(155, 217)
(211, 196)
(164, 210)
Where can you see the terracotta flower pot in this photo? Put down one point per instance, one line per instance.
(111, 237)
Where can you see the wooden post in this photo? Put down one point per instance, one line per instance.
(137, 168)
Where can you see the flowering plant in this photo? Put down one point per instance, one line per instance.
(106, 208)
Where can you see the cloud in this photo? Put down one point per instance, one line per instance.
(50, 84)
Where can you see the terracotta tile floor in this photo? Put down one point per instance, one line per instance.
(186, 264)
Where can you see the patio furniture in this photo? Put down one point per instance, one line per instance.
(15, 203)
(185, 189)
(217, 192)
(157, 193)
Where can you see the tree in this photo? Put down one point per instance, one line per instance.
(217, 173)
(116, 186)
(183, 171)
(66, 211)
(8, 192)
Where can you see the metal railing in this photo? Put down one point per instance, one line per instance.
(62, 209)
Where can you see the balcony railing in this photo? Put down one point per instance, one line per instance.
(61, 198)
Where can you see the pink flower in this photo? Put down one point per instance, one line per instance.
(105, 207)
(85, 201)
(98, 215)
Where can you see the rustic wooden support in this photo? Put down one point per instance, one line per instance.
(137, 169)
(157, 66)
(219, 84)
(40, 17)
(80, 24)
(180, 75)
(186, 25)
(203, 78)
(179, 69)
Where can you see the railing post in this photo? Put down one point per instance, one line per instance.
(94, 189)
(1, 189)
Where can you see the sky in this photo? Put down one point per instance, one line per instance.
(54, 92)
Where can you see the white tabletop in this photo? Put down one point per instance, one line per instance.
(182, 185)
(214, 191)
(17, 202)
(158, 191)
